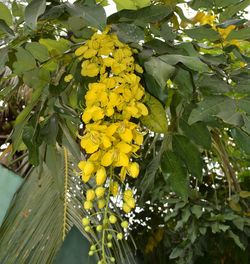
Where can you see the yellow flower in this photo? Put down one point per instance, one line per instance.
(90, 195)
(127, 209)
(224, 32)
(127, 195)
(101, 176)
(100, 191)
(89, 69)
(89, 53)
(81, 50)
(88, 205)
(131, 202)
(133, 169)
(68, 78)
(101, 203)
(87, 168)
(114, 187)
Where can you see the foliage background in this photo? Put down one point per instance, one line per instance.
(193, 190)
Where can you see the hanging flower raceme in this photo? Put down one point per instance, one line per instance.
(111, 139)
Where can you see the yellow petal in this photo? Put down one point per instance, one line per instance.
(88, 145)
(107, 158)
(133, 169)
(89, 53)
(89, 168)
(124, 147)
(101, 176)
(127, 135)
(114, 187)
(85, 178)
(123, 173)
(90, 195)
(81, 164)
(122, 160)
(81, 50)
(106, 142)
(127, 195)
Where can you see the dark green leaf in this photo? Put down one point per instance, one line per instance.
(197, 4)
(189, 154)
(5, 28)
(211, 84)
(239, 34)
(74, 249)
(232, 10)
(184, 82)
(160, 70)
(198, 132)
(128, 32)
(193, 63)
(236, 239)
(9, 183)
(25, 61)
(201, 33)
(32, 11)
(29, 139)
(148, 14)
(17, 9)
(49, 130)
(38, 51)
(224, 3)
(242, 139)
(3, 57)
(175, 173)
(94, 16)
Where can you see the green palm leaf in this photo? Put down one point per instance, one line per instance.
(45, 208)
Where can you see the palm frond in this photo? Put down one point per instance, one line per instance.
(45, 208)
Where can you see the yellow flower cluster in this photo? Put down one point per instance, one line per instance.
(112, 137)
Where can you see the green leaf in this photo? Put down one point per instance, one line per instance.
(211, 84)
(236, 239)
(213, 106)
(131, 4)
(160, 70)
(49, 130)
(128, 32)
(17, 9)
(30, 140)
(193, 63)
(38, 51)
(201, 33)
(233, 9)
(94, 16)
(184, 82)
(197, 132)
(4, 57)
(58, 46)
(175, 173)
(36, 78)
(74, 249)
(5, 14)
(189, 154)
(239, 34)
(197, 4)
(148, 14)
(224, 3)
(25, 61)
(32, 11)
(156, 119)
(196, 210)
(242, 139)
(5, 28)
(9, 183)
